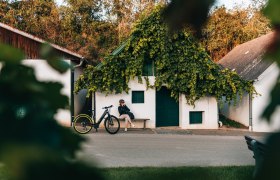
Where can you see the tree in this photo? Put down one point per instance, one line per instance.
(40, 18)
(78, 26)
(90, 37)
(4, 8)
(126, 12)
(226, 29)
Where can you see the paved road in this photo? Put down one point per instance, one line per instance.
(165, 150)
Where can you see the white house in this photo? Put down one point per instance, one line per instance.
(159, 106)
(30, 45)
(249, 62)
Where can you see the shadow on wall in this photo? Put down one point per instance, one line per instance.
(82, 104)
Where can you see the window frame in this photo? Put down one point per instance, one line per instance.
(193, 121)
(137, 100)
(150, 71)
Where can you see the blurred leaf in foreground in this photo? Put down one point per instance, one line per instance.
(180, 13)
(55, 61)
(32, 144)
(272, 11)
(28, 162)
(10, 55)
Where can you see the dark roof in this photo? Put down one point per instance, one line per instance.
(247, 59)
(31, 44)
(118, 50)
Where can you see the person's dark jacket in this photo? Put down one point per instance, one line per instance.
(123, 110)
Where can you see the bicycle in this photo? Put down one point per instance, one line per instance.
(83, 123)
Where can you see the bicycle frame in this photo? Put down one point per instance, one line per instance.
(96, 124)
(86, 122)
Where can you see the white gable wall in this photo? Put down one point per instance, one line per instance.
(238, 112)
(209, 107)
(264, 85)
(141, 110)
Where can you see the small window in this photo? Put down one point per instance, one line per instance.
(196, 117)
(148, 68)
(137, 96)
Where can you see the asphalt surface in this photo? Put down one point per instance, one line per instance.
(164, 150)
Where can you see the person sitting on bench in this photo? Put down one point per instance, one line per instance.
(124, 113)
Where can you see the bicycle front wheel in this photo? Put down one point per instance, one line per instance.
(82, 123)
(112, 125)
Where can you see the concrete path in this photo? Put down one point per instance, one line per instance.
(165, 150)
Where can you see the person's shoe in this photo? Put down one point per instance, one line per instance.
(133, 125)
(125, 129)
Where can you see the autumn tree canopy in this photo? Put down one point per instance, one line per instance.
(94, 28)
(226, 29)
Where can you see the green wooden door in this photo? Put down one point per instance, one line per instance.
(167, 109)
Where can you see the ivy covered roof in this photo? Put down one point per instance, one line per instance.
(181, 64)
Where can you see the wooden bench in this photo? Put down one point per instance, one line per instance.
(259, 149)
(139, 119)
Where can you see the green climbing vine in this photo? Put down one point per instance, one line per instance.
(181, 64)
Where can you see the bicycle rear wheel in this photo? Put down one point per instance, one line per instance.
(82, 123)
(112, 125)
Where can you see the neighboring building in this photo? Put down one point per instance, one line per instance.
(159, 106)
(249, 62)
(31, 45)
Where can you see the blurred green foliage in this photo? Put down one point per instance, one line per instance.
(32, 144)
(272, 11)
(181, 13)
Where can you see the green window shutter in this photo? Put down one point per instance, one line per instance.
(148, 68)
(196, 117)
(137, 96)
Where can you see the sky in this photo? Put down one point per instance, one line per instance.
(232, 3)
(228, 3)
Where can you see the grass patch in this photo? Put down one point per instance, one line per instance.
(174, 173)
(229, 123)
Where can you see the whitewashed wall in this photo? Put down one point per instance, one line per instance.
(143, 110)
(44, 72)
(239, 112)
(210, 113)
(263, 86)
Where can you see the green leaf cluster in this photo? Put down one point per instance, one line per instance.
(181, 64)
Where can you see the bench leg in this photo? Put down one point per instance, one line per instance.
(144, 124)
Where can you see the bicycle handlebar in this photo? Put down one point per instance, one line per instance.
(107, 107)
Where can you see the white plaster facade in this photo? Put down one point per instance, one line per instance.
(240, 112)
(264, 85)
(148, 109)
(209, 108)
(44, 72)
(143, 110)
